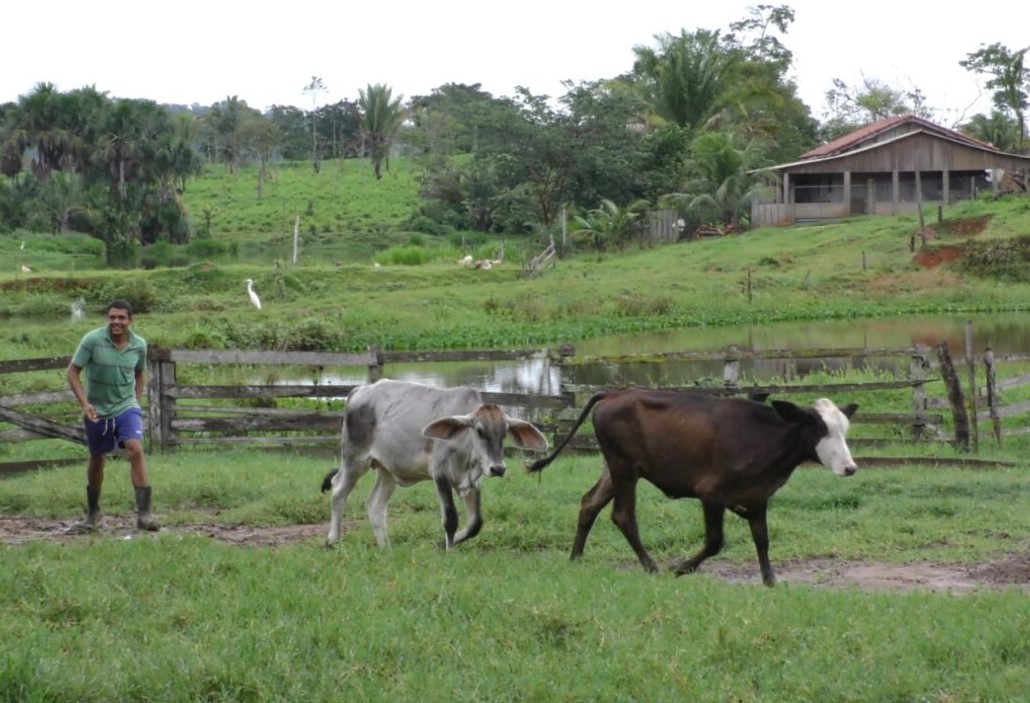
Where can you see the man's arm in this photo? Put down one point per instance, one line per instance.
(75, 381)
(140, 384)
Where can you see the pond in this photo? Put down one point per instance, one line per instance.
(1002, 332)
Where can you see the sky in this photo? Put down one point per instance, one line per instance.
(203, 51)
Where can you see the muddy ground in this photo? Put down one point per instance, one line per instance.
(1011, 571)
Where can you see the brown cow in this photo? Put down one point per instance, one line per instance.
(729, 453)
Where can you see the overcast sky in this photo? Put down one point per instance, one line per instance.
(201, 51)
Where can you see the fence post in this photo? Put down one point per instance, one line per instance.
(375, 369)
(958, 403)
(992, 393)
(161, 407)
(971, 364)
(731, 369)
(917, 374)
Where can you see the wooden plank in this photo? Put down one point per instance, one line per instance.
(774, 389)
(1010, 383)
(183, 411)
(484, 355)
(39, 398)
(266, 392)
(1005, 411)
(299, 422)
(277, 358)
(15, 467)
(530, 400)
(42, 426)
(736, 354)
(44, 364)
(257, 441)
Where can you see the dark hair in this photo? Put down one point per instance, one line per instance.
(121, 305)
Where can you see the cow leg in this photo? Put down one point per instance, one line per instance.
(449, 512)
(377, 503)
(714, 517)
(473, 516)
(343, 483)
(624, 514)
(760, 534)
(590, 506)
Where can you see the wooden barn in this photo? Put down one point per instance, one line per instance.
(887, 168)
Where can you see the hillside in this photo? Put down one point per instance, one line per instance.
(334, 297)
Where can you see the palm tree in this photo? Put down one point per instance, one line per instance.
(723, 182)
(315, 87)
(609, 224)
(383, 116)
(685, 75)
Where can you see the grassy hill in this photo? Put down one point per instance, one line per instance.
(334, 297)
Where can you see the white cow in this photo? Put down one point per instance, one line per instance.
(412, 432)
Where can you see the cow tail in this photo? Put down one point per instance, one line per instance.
(327, 482)
(541, 464)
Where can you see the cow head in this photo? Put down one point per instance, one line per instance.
(831, 447)
(484, 429)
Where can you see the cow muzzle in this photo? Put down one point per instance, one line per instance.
(497, 470)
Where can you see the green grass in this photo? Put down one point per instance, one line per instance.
(506, 616)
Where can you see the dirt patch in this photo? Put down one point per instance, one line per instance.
(929, 258)
(965, 226)
(1010, 571)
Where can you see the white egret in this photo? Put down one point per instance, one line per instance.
(26, 269)
(253, 296)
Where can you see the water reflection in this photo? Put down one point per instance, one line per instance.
(1002, 332)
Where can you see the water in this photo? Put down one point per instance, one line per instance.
(1002, 332)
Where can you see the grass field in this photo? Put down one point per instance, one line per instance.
(188, 615)
(183, 616)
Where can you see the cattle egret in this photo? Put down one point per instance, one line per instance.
(22, 244)
(79, 309)
(253, 296)
(26, 269)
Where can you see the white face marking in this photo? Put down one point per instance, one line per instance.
(832, 449)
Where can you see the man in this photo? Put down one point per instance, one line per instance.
(115, 359)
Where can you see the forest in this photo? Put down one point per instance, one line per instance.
(690, 126)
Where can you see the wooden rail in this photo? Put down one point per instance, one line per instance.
(248, 414)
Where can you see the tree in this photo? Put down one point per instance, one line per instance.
(259, 137)
(722, 182)
(998, 129)
(609, 224)
(685, 76)
(293, 129)
(313, 88)
(383, 116)
(1010, 80)
(851, 107)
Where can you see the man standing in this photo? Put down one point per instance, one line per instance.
(115, 359)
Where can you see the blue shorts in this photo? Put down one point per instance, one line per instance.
(103, 435)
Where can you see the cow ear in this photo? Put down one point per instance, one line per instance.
(792, 413)
(526, 435)
(446, 427)
(849, 409)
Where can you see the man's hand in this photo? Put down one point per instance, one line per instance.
(90, 411)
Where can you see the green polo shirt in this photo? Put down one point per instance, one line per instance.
(110, 371)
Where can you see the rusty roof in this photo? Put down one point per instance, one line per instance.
(860, 137)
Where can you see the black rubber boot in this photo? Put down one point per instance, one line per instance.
(144, 517)
(91, 523)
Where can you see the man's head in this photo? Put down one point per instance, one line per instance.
(119, 318)
(123, 305)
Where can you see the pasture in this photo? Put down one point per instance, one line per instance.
(901, 584)
(237, 599)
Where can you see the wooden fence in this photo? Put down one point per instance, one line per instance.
(247, 414)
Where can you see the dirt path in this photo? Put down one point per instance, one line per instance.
(1010, 571)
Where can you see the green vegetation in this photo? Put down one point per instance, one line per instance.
(506, 617)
